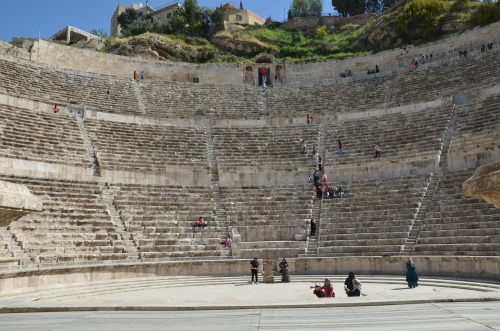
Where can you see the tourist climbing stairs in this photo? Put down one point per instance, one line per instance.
(313, 243)
(426, 205)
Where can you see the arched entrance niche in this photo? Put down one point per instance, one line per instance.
(264, 65)
(248, 74)
(280, 73)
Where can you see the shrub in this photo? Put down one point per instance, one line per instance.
(486, 12)
(185, 55)
(420, 13)
(321, 31)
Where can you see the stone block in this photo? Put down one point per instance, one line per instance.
(16, 201)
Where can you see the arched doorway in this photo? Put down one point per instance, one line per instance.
(264, 75)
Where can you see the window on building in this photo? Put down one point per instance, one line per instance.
(239, 18)
(196, 80)
(169, 15)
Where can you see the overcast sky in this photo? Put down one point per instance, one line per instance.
(25, 18)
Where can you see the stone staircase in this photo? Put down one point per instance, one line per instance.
(220, 210)
(447, 137)
(91, 150)
(140, 98)
(389, 95)
(126, 237)
(420, 217)
(313, 243)
(11, 252)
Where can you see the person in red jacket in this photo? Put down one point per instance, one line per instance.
(328, 288)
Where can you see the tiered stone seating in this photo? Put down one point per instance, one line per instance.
(373, 218)
(161, 220)
(401, 136)
(477, 129)
(74, 225)
(427, 83)
(187, 100)
(264, 146)
(459, 225)
(268, 218)
(39, 82)
(134, 147)
(41, 136)
(298, 101)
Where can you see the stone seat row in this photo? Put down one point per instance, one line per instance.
(51, 84)
(41, 137)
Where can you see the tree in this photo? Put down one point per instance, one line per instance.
(349, 7)
(100, 33)
(373, 6)
(420, 14)
(127, 17)
(300, 8)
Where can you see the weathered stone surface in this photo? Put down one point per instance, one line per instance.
(16, 201)
(485, 184)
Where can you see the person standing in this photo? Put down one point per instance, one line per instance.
(320, 163)
(411, 273)
(304, 146)
(55, 109)
(254, 267)
(285, 277)
(341, 148)
(108, 96)
(313, 226)
(142, 74)
(136, 76)
(377, 150)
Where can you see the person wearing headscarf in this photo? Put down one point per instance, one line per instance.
(356, 292)
(285, 277)
(328, 288)
(348, 282)
(411, 273)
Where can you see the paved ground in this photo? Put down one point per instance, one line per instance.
(478, 316)
(232, 303)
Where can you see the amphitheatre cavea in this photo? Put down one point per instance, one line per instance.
(100, 199)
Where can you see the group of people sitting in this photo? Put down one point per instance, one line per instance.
(352, 287)
(333, 192)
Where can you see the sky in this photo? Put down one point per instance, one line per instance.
(43, 18)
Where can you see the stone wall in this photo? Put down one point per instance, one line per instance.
(30, 280)
(122, 66)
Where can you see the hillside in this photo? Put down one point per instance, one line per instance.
(312, 38)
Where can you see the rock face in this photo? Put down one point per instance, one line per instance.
(485, 184)
(16, 201)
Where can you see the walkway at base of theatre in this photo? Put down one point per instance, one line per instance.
(226, 293)
(456, 316)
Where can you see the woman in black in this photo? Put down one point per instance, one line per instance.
(348, 282)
